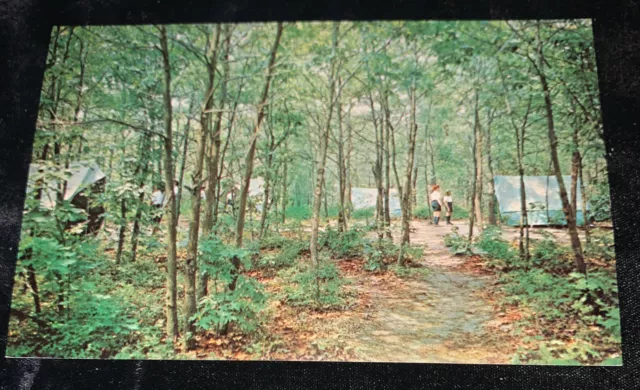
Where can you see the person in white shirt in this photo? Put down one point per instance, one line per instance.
(448, 205)
(436, 203)
(157, 201)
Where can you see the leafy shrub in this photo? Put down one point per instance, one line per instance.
(422, 212)
(289, 253)
(240, 306)
(365, 213)
(345, 244)
(377, 255)
(223, 306)
(457, 243)
(316, 288)
(551, 256)
(97, 326)
(496, 248)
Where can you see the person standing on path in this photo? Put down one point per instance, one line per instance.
(448, 205)
(436, 203)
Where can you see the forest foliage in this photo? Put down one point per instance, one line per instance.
(313, 110)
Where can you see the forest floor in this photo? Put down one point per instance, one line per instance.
(445, 314)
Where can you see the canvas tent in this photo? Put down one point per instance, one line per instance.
(363, 198)
(84, 174)
(544, 206)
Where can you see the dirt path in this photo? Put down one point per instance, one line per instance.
(439, 319)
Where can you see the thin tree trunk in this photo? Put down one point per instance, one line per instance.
(210, 211)
(478, 158)
(492, 189)
(474, 177)
(387, 166)
(123, 228)
(252, 146)
(33, 286)
(406, 195)
(322, 157)
(191, 266)
(585, 211)
(553, 144)
(342, 174)
(348, 171)
(142, 168)
(171, 303)
(284, 186)
(183, 162)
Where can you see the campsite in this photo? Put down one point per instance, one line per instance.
(431, 192)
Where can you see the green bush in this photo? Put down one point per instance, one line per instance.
(316, 288)
(342, 245)
(377, 255)
(365, 213)
(457, 243)
(222, 307)
(290, 251)
(496, 248)
(423, 212)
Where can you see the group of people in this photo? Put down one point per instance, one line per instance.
(438, 202)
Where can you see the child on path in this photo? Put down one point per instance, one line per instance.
(436, 203)
(448, 204)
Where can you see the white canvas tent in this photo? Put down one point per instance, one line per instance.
(82, 175)
(363, 198)
(544, 206)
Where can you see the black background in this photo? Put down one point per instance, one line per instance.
(25, 26)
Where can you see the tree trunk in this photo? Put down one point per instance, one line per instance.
(171, 311)
(387, 166)
(191, 264)
(585, 211)
(252, 146)
(267, 186)
(33, 286)
(406, 195)
(474, 177)
(185, 148)
(212, 199)
(342, 174)
(492, 189)
(381, 200)
(322, 156)
(478, 166)
(123, 228)
(553, 144)
(142, 168)
(284, 187)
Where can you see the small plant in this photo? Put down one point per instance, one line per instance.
(224, 305)
(458, 244)
(319, 288)
(345, 244)
(290, 252)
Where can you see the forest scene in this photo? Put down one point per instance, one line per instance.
(393, 191)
